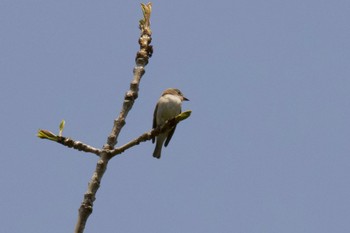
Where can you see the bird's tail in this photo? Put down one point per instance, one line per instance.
(158, 150)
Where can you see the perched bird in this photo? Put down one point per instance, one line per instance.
(168, 106)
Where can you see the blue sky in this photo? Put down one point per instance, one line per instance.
(265, 150)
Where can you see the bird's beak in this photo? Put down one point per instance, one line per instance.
(185, 99)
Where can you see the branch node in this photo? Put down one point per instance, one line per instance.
(130, 95)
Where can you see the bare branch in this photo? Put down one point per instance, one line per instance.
(141, 60)
(111, 153)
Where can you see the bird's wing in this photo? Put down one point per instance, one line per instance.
(170, 134)
(154, 121)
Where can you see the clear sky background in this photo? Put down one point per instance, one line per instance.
(267, 146)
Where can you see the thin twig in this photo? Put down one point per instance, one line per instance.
(45, 134)
(151, 134)
(144, 137)
(78, 145)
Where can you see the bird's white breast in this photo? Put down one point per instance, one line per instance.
(168, 107)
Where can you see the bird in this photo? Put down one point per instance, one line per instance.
(168, 106)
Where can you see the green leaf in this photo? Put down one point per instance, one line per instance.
(61, 127)
(45, 134)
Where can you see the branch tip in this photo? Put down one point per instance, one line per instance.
(184, 115)
(45, 134)
(144, 23)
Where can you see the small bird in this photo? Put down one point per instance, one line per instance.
(168, 106)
